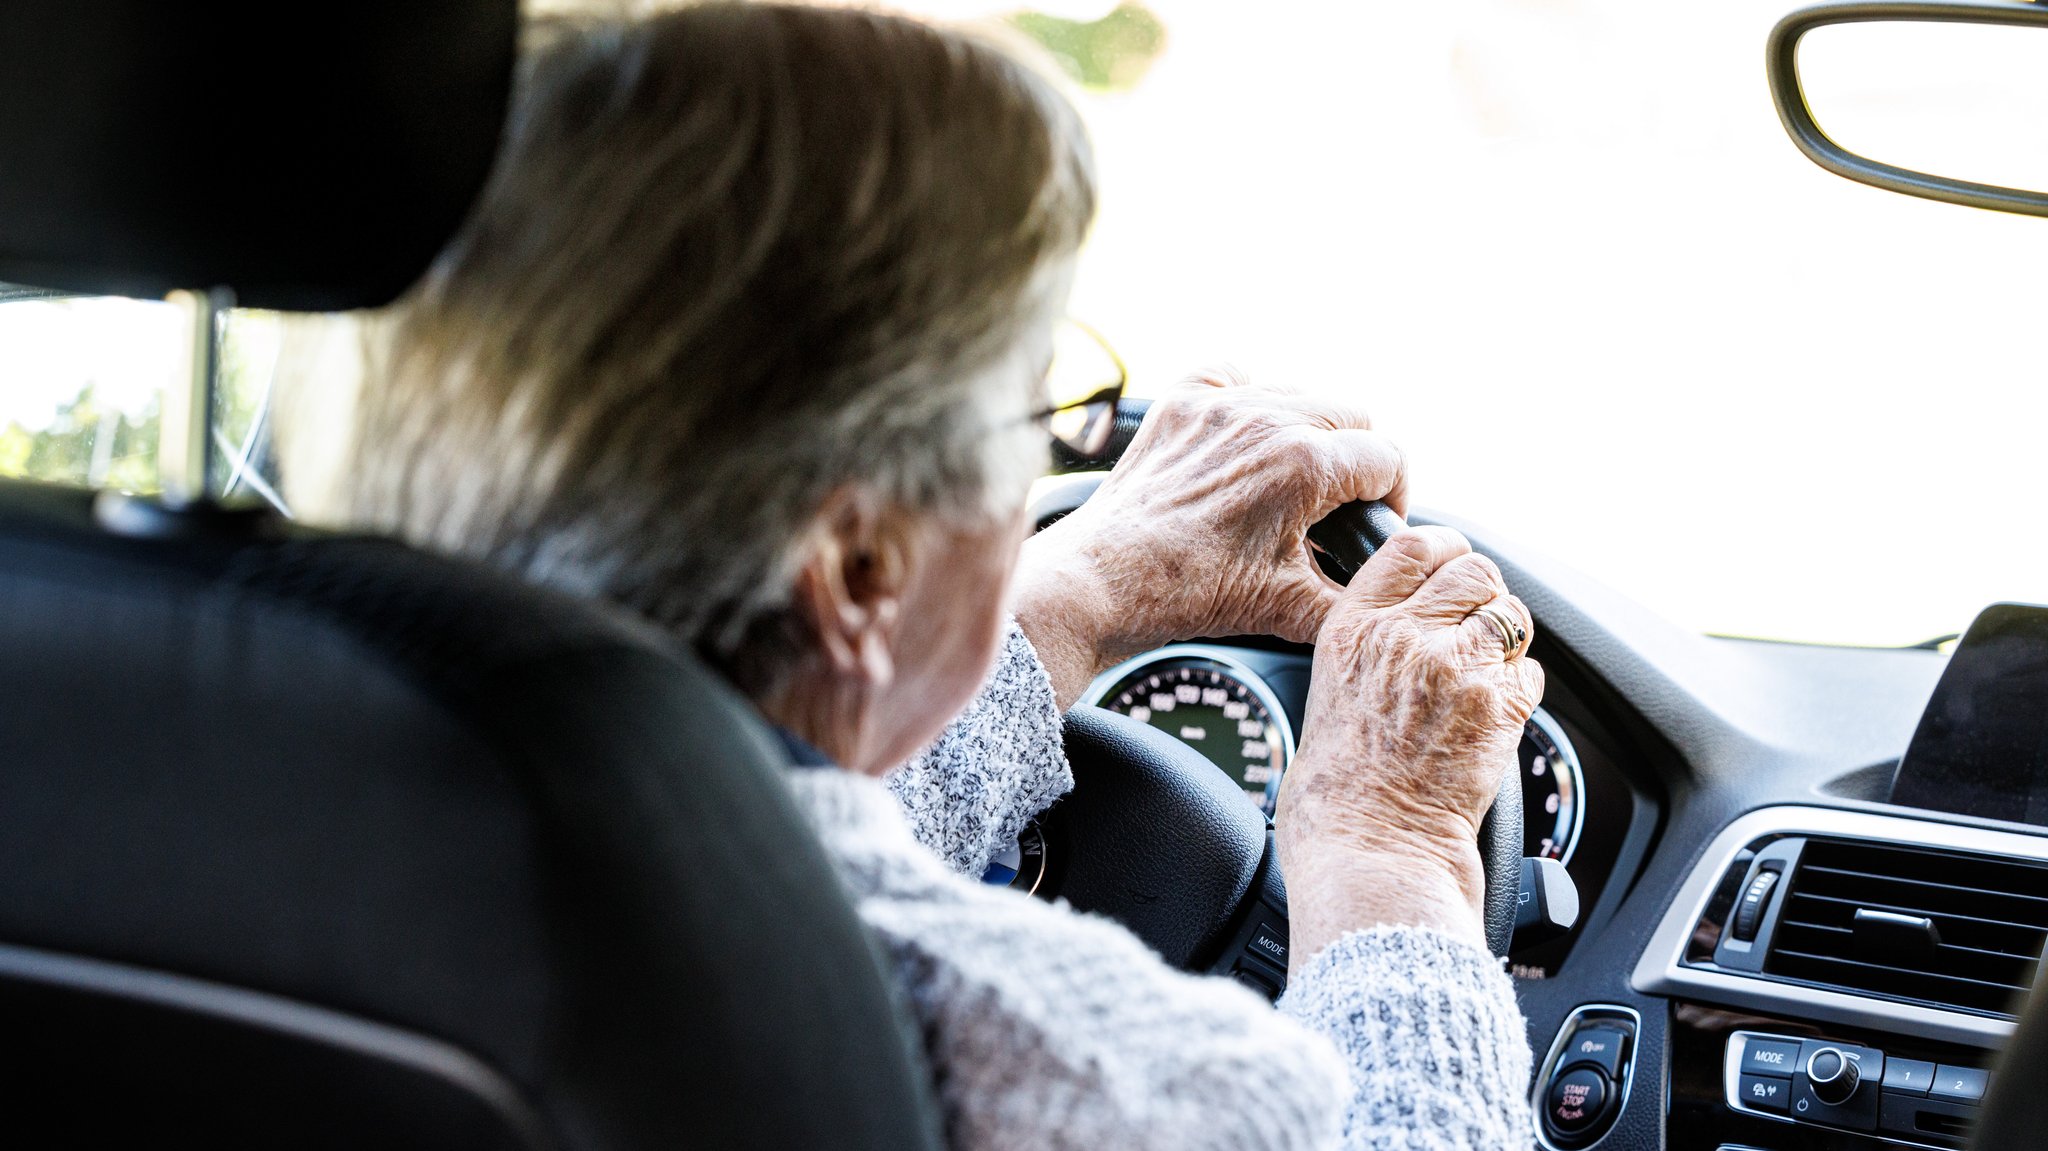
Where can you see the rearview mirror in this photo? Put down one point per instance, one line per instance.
(1943, 100)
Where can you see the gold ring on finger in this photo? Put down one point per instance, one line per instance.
(1512, 634)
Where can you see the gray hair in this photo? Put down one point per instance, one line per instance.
(733, 258)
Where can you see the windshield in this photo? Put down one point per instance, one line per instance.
(1560, 249)
(1565, 255)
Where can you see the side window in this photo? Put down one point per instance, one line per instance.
(244, 459)
(82, 379)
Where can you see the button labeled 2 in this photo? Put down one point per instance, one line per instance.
(1958, 1084)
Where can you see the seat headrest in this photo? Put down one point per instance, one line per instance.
(308, 158)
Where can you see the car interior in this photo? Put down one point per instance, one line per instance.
(364, 846)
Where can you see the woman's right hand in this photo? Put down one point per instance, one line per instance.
(1199, 530)
(1415, 710)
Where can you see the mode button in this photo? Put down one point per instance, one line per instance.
(1269, 945)
(1770, 1057)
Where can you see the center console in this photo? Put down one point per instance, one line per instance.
(1850, 1087)
(1841, 980)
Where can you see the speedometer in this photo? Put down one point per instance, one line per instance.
(1212, 702)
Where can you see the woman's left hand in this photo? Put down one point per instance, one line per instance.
(1201, 528)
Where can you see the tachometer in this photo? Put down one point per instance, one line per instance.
(1212, 702)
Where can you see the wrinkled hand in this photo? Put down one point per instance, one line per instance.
(1200, 530)
(1414, 715)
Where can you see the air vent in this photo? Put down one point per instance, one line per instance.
(1950, 930)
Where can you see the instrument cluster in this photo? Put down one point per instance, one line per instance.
(1231, 705)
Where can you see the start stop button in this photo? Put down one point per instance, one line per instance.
(1582, 1086)
(1577, 1099)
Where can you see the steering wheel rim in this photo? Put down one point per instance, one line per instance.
(1500, 860)
(2016, 1110)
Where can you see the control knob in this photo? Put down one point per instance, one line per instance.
(1833, 1076)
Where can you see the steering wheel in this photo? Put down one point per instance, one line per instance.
(1160, 839)
(2016, 1111)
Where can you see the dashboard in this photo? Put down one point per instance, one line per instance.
(1777, 950)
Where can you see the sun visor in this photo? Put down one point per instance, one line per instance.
(308, 157)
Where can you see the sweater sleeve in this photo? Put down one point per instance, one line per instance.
(1051, 1030)
(994, 768)
(1438, 1050)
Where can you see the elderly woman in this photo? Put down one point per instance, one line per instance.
(748, 335)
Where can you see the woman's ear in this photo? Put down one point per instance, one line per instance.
(850, 582)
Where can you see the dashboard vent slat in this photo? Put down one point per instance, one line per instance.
(1852, 904)
(1997, 906)
(1931, 886)
(1903, 974)
(1984, 923)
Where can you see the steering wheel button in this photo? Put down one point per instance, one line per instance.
(1269, 944)
(1255, 980)
(1601, 1047)
(1764, 1093)
(1765, 1057)
(1577, 1099)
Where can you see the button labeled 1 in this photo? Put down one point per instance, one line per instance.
(1908, 1075)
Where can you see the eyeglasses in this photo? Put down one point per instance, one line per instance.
(1084, 382)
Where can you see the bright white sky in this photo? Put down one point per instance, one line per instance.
(51, 350)
(1565, 254)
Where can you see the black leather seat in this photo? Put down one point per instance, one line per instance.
(315, 841)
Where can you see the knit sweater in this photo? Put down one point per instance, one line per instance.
(1048, 1028)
